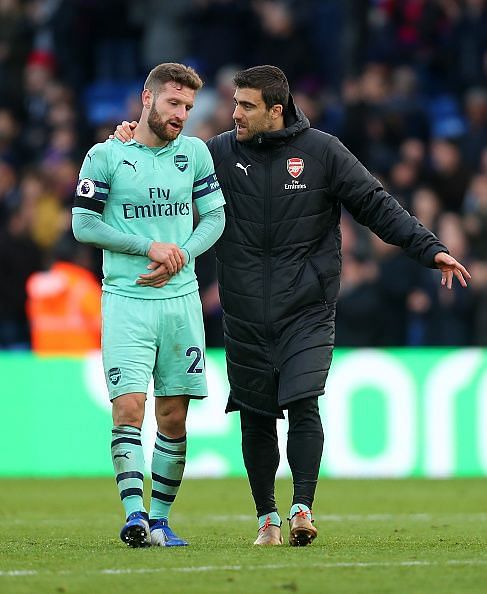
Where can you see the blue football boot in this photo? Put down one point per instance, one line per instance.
(162, 536)
(136, 531)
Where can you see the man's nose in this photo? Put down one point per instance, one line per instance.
(236, 113)
(182, 113)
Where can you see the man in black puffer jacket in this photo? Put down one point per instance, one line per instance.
(278, 264)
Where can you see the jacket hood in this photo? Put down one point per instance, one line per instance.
(295, 122)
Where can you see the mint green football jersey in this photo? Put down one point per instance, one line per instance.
(150, 193)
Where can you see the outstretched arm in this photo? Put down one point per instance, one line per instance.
(363, 196)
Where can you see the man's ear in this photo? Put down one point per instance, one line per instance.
(147, 98)
(276, 111)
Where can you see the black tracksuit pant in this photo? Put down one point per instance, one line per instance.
(261, 453)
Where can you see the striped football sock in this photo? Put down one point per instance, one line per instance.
(168, 463)
(128, 463)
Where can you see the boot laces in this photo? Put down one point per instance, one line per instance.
(266, 524)
(304, 514)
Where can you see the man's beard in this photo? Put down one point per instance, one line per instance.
(249, 134)
(160, 127)
(255, 129)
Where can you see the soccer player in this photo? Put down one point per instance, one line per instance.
(278, 264)
(135, 201)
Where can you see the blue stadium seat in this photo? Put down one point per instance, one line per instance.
(106, 101)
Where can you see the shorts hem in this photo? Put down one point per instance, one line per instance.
(129, 390)
(180, 393)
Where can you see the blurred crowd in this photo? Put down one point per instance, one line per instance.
(403, 83)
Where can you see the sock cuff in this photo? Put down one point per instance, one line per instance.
(166, 439)
(124, 435)
(300, 507)
(166, 445)
(126, 430)
(271, 519)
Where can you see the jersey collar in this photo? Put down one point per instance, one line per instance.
(169, 145)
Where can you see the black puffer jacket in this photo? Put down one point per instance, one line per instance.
(280, 252)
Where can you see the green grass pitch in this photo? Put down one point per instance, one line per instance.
(404, 536)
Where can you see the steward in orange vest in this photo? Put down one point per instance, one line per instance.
(63, 306)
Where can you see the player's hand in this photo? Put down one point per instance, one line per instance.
(168, 254)
(449, 267)
(158, 277)
(124, 131)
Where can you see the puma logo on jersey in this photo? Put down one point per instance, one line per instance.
(125, 162)
(240, 166)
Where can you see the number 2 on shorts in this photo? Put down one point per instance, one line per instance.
(193, 368)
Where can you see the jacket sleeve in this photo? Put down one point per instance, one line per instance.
(370, 205)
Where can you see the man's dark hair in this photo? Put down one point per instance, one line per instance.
(171, 71)
(271, 80)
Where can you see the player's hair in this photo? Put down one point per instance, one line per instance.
(171, 71)
(271, 80)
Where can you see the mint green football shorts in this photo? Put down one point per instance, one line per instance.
(163, 338)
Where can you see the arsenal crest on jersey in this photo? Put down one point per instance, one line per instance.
(295, 166)
(181, 162)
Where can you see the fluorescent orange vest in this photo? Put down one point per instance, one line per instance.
(63, 306)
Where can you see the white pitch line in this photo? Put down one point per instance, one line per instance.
(276, 566)
(18, 573)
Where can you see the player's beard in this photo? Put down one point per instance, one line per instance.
(253, 128)
(160, 127)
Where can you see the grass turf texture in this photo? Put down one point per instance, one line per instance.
(411, 536)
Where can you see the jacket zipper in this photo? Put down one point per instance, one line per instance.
(267, 255)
